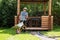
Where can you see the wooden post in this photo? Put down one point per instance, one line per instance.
(50, 2)
(18, 14)
(49, 18)
(18, 10)
(44, 8)
(15, 20)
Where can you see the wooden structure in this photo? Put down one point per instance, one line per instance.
(46, 21)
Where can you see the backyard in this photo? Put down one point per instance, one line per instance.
(8, 10)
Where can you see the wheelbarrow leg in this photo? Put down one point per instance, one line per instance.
(18, 31)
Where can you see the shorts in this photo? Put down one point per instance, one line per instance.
(25, 22)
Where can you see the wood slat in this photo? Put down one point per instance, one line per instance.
(44, 22)
(33, 0)
(35, 28)
(15, 20)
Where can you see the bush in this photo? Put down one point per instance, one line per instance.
(7, 13)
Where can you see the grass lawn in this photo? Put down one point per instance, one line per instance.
(58, 38)
(54, 32)
(10, 34)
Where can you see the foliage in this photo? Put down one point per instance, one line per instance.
(56, 11)
(34, 8)
(7, 12)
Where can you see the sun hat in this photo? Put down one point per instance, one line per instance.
(25, 8)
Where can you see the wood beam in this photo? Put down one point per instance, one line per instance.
(15, 19)
(44, 8)
(49, 18)
(18, 10)
(49, 5)
(34, 0)
(30, 2)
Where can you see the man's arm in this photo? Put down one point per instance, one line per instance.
(20, 15)
(27, 16)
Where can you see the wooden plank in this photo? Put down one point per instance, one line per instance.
(30, 2)
(34, 0)
(49, 6)
(44, 22)
(18, 10)
(52, 22)
(15, 20)
(35, 28)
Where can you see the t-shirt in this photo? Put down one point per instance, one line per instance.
(23, 15)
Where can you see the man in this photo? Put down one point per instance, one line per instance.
(23, 18)
(24, 15)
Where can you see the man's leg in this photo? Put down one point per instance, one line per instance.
(25, 24)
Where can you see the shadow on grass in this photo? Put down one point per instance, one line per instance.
(56, 28)
(8, 31)
(11, 31)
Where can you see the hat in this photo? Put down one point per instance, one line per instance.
(25, 8)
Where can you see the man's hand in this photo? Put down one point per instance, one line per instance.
(19, 17)
(26, 17)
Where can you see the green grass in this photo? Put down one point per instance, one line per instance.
(10, 34)
(52, 33)
(58, 38)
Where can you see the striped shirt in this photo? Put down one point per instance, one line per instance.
(23, 15)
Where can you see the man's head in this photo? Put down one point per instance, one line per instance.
(24, 9)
